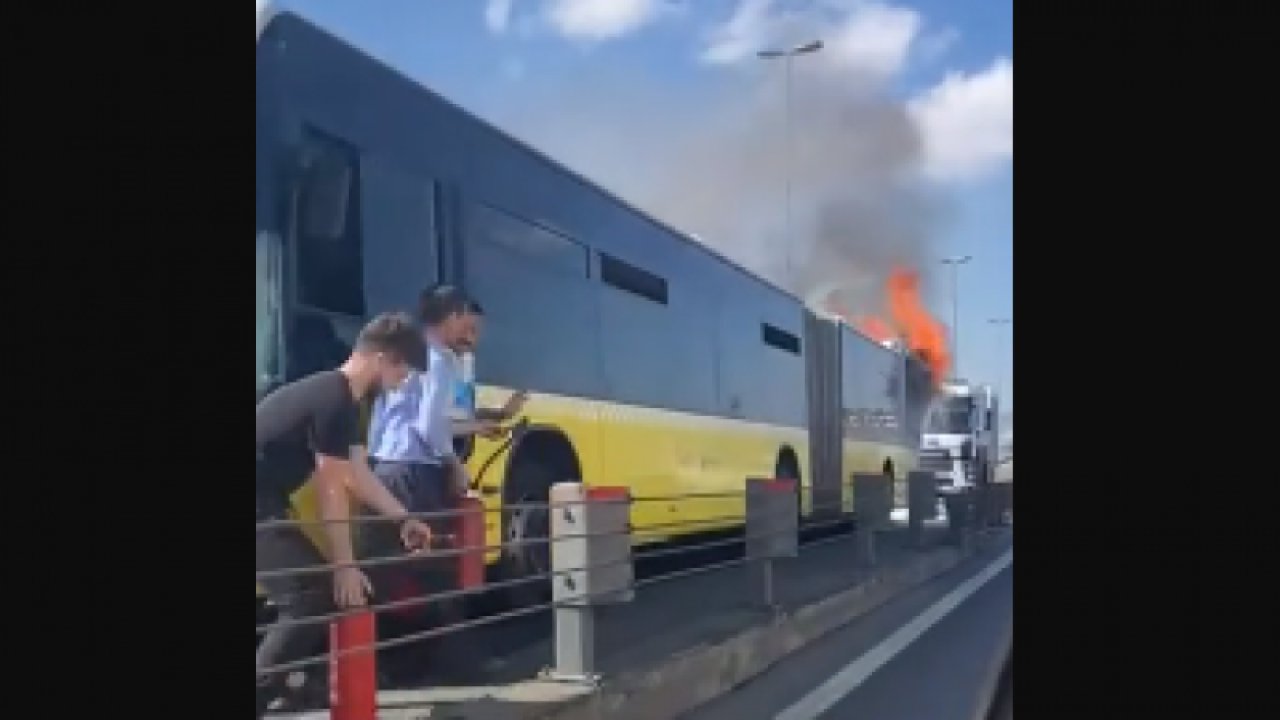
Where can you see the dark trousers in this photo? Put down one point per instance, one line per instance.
(296, 597)
(421, 488)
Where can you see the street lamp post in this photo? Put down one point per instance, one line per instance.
(955, 262)
(786, 55)
(999, 324)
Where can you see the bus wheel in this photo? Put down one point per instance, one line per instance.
(788, 469)
(894, 489)
(527, 528)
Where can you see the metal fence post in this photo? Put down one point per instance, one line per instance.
(922, 503)
(592, 565)
(999, 502)
(1004, 502)
(353, 676)
(960, 518)
(872, 503)
(471, 541)
(773, 529)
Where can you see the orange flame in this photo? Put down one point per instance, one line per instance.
(922, 334)
(908, 321)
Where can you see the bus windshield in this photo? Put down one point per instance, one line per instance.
(950, 416)
(268, 292)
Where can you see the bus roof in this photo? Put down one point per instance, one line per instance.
(269, 14)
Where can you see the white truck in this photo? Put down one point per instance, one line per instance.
(960, 442)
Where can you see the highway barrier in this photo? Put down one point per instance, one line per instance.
(593, 553)
(591, 557)
(873, 496)
(922, 502)
(773, 529)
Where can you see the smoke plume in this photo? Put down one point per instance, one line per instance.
(717, 166)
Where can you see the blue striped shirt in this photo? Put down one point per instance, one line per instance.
(411, 423)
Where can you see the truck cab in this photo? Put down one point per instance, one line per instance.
(959, 442)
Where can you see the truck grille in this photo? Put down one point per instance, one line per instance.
(935, 460)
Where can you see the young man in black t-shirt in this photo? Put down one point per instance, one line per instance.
(308, 431)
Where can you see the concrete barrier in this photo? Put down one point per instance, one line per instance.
(687, 679)
(690, 679)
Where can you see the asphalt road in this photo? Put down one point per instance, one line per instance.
(935, 653)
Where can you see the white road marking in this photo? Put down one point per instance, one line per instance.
(825, 696)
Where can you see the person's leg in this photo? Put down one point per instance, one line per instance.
(456, 658)
(296, 597)
(395, 582)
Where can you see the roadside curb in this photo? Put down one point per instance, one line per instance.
(694, 677)
(687, 679)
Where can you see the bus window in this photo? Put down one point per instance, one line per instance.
(268, 340)
(329, 257)
(536, 292)
(629, 278)
(780, 339)
(398, 229)
(320, 342)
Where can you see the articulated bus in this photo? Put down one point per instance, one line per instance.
(652, 362)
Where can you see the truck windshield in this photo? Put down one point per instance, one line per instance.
(950, 416)
(268, 292)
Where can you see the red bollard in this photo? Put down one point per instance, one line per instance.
(471, 541)
(353, 675)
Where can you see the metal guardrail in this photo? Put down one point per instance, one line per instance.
(593, 558)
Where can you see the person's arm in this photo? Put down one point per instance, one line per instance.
(435, 427)
(333, 432)
(432, 424)
(479, 426)
(510, 409)
(331, 490)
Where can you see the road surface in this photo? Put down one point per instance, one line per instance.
(934, 653)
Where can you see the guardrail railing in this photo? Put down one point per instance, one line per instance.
(592, 564)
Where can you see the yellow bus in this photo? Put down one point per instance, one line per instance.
(652, 362)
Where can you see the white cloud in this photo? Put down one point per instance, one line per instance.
(967, 123)
(601, 19)
(497, 15)
(743, 34)
(870, 38)
(875, 38)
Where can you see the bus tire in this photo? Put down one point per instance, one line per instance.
(887, 470)
(526, 529)
(788, 468)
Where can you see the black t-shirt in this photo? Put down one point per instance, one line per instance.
(316, 415)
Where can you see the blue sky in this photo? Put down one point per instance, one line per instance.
(947, 62)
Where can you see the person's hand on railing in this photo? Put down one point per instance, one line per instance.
(416, 535)
(350, 587)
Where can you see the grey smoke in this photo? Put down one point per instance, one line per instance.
(716, 166)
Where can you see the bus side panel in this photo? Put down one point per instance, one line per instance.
(823, 376)
(730, 403)
(871, 400)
